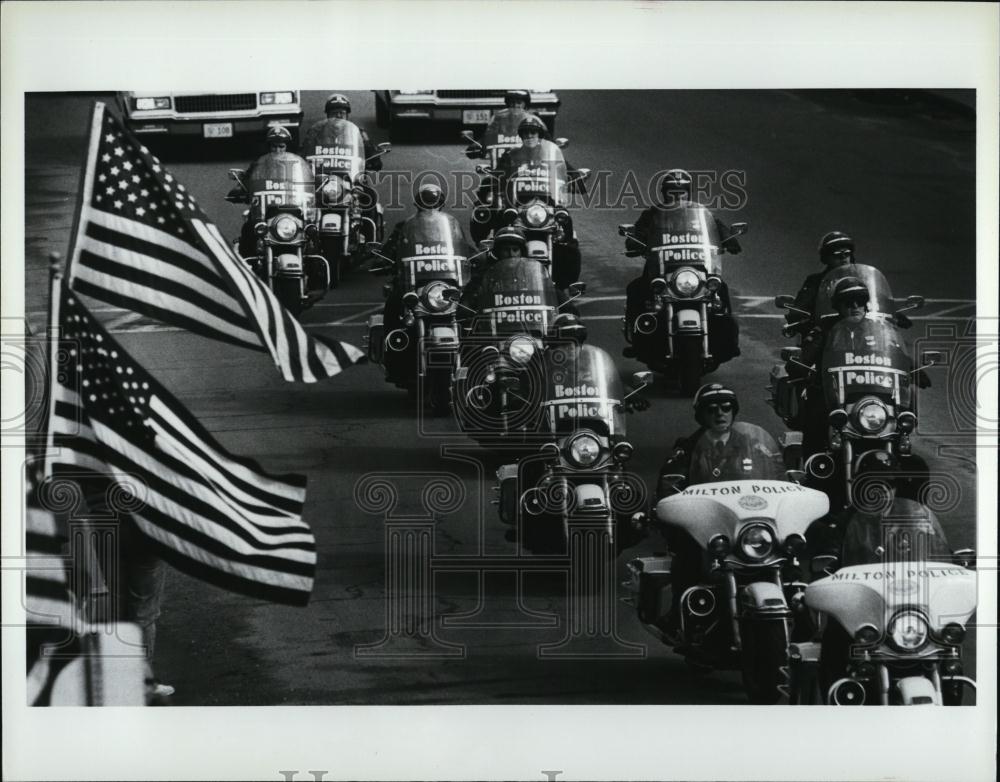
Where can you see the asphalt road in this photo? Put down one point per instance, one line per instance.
(899, 178)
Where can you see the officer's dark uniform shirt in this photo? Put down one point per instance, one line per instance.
(706, 459)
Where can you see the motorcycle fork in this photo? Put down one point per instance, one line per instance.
(704, 330)
(734, 618)
(883, 684)
(670, 329)
(269, 265)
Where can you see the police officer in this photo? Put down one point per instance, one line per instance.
(675, 191)
(835, 249)
(339, 107)
(277, 139)
(516, 103)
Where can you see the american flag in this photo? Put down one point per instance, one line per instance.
(217, 516)
(142, 243)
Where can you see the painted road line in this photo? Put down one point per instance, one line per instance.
(351, 318)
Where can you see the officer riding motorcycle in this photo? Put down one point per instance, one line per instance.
(416, 338)
(893, 616)
(678, 315)
(341, 155)
(836, 249)
(530, 188)
(507, 310)
(501, 134)
(279, 235)
(736, 526)
(578, 475)
(849, 383)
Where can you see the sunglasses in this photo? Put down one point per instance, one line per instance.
(856, 302)
(720, 407)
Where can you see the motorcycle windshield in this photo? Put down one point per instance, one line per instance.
(685, 235)
(538, 172)
(516, 296)
(866, 358)
(748, 453)
(880, 304)
(280, 179)
(335, 146)
(432, 247)
(501, 134)
(583, 390)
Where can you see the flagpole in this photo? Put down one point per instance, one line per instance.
(55, 295)
(86, 184)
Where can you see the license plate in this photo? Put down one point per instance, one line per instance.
(218, 129)
(475, 116)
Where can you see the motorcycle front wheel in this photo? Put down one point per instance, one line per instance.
(437, 391)
(289, 293)
(765, 659)
(688, 363)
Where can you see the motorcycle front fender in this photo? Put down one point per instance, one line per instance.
(918, 691)
(687, 321)
(764, 600)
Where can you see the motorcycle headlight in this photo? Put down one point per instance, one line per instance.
(908, 631)
(521, 349)
(756, 541)
(434, 298)
(334, 190)
(583, 450)
(872, 416)
(145, 104)
(285, 228)
(536, 215)
(686, 282)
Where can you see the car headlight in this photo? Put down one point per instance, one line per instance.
(276, 98)
(145, 104)
(686, 282)
(872, 416)
(908, 631)
(416, 92)
(333, 190)
(584, 450)
(521, 349)
(536, 215)
(756, 541)
(285, 228)
(434, 298)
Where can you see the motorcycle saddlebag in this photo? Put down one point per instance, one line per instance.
(784, 394)
(376, 339)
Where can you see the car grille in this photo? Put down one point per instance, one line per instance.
(470, 94)
(236, 101)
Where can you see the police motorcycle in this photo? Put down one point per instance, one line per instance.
(336, 152)
(531, 191)
(430, 256)
(750, 526)
(865, 373)
(279, 238)
(507, 314)
(684, 265)
(892, 626)
(578, 473)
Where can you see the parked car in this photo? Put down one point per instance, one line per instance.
(220, 115)
(399, 110)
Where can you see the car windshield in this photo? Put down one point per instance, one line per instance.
(747, 452)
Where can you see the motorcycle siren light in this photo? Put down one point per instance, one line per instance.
(480, 214)
(719, 546)
(646, 323)
(867, 635)
(260, 229)
(849, 288)
(278, 133)
(820, 465)
(337, 101)
(835, 240)
(713, 283)
(953, 634)
(906, 421)
(430, 196)
(410, 299)
(397, 340)
(846, 692)
(795, 544)
(712, 393)
(623, 451)
(676, 180)
(838, 418)
(562, 216)
(311, 230)
(658, 286)
(699, 601)
(521, 95)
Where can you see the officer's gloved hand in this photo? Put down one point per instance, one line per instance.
(902, 320)
(473, 152)
(923, 381)
(636, 404)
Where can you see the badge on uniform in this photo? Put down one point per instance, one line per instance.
(747, 465)
(716, 472)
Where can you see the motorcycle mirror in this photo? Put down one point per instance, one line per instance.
(966, 557)
(795, 476)
(486, 245)
(584, 173)
(624, 229)
(784, 301)
(509, 383)
(672, 481)
(738, 229)
(384, 146)
(577, 289)
(642, 379)
(373, 247)
(485, 170)
(562, 143)
(823, 564)
(410, 299)
(930, 357)
(468, 135)
(658, 286)
(912, 303)
(237, 174)
(791, 353)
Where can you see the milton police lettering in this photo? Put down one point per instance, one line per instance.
(782, 489)
(713, 490)
(880, 575)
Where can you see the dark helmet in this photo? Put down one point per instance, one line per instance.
(337, 101)
(849, 288)
(278, 133)
(835, 240)
(569, 326)
(429, 196)
(522, 95)
(510, 235)
(713, 393)
(531, 122)
(676, 180)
